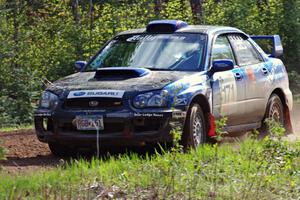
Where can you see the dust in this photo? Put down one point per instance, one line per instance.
(295, 116)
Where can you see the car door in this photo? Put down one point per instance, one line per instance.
(256, 74)
(228, 86)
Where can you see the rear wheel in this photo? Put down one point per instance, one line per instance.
(61, 150)
(274, 112)
(275, 109)
(195, 130)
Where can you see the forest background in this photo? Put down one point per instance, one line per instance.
(41, 39)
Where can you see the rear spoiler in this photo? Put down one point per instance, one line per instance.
(277, 49)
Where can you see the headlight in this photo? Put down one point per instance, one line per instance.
(151, 99)
(48, 100)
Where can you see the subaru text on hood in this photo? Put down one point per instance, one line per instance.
(145, 82)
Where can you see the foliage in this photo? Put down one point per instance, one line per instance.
(294, 78)
(40, 40)
(2, 153)
(277, 153)
(220, 133)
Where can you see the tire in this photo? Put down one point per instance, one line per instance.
(274, 111)
(195, 129)
(60, 150)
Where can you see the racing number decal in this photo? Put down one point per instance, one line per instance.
(228, 91)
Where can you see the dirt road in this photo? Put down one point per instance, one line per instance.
(25, 152)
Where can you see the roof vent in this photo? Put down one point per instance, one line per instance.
(165, 26)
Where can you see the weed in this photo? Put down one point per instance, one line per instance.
(2, 153)
(176, 134)
(220, 133)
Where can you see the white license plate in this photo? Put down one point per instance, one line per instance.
(89, 122)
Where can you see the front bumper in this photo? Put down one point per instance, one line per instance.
(120, 127)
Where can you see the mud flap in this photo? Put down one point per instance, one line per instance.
(212, 126)
(288, 123)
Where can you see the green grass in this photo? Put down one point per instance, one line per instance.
(16, 127)
(252, 169)
(268, 169)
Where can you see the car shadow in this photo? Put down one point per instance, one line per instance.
(39, 161)
(50, 160)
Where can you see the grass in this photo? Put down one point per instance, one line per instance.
(16, 127)
(254, 170)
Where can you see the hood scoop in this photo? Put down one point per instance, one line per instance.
(120, 73)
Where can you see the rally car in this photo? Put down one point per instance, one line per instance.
(145, 82)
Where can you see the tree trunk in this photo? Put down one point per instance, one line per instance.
(15, 35)
(75, 10)
(197, 9)
(158, 7)
(91, 13)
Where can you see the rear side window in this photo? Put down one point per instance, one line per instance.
(222, 49)
(245, 52)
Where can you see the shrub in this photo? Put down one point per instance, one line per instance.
(2, 153)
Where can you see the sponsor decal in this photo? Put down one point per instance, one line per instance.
(78, 94)
(148, 114)
(46, 114)
(96, 93)
(178, 114)
(137, 38)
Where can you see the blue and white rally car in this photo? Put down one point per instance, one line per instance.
(144, 82)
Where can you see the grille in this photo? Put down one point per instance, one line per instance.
(93, 103)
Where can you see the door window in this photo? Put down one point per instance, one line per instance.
(245, 52)
(222, 49)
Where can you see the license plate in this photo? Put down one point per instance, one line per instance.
(89, 122)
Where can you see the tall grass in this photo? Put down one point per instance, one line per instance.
(252, 169)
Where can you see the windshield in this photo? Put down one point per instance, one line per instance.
(182, 52)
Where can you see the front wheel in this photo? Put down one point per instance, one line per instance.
(195, 129)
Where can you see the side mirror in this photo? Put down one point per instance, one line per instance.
(222, 65)
(79, 65)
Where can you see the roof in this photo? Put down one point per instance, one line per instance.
(206, 29)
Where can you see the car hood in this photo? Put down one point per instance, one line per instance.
(86, 80)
